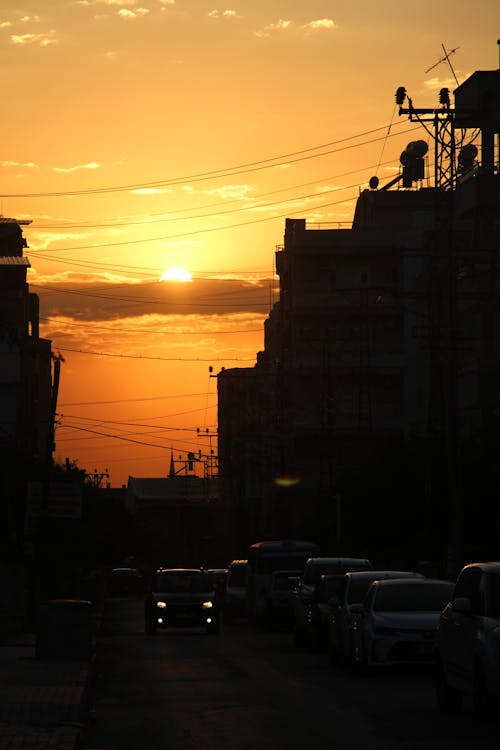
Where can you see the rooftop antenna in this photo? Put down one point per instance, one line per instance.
(446, 59)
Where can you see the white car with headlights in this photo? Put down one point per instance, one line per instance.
(181, 597)
(398, 621)
(468, 641)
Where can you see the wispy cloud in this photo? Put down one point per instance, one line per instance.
(30, 19)
(228, 13)
(320, 24)
(5, 24)
(271, 28)
(27, 164)
(42, 40)
(438, 83)
(150, 191)
(132, 14)
(65, 170)
(232, 192)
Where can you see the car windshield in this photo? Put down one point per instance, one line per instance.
(418, 597)
(170, 582)
(493, 594)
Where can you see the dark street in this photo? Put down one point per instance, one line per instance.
(249, 688)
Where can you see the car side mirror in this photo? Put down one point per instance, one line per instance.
(462, 605)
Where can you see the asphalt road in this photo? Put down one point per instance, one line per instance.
(248, 689)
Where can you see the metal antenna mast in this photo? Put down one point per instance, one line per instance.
(446, 59)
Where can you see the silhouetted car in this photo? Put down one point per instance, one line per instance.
(314, 569)
(399, 621)
(181, 597)
(235, 594)
(279, 599)
(468, 640)
(351, 591)
(125, 581)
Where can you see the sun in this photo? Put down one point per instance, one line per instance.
(176, 274)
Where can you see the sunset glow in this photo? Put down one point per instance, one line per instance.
(176, 274)
(145, 139)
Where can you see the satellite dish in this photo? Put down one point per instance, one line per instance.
(373, 183)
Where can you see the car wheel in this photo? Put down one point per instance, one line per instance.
(483, 703)
(448, 699)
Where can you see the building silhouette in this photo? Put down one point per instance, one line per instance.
(369, 422)
(26, 431)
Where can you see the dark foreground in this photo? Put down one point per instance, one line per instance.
(249, 689)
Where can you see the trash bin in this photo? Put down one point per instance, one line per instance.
(65, 630)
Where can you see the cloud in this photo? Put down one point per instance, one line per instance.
(224, 14)
(43, 40)
(130, 14)
(320, 23)
(281, 25)
(438, 83)
(65, 170)
(231, 191)
(5, 24)
(28, 19)
(150, 191)
(96, 297)
(26, 164)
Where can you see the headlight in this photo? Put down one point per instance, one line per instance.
(207, 605)
(161, 605)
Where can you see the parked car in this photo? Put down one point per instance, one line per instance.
(398, 621)
(181, 597)
(468, 640)
(235, 594)
(279, 605)
(126, 581)
(351, 590)
(316, 567)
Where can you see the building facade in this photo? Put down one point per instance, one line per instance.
(26, 433)
(360, 424)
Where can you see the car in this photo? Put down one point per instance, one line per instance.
(398, 621)
(126, 580)
(316, 567)
(235, 593)
(350, 591)
(279, 599)
(181, 597)
(468, 640)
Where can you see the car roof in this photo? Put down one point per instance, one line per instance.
(487, 567)
(375, 574)
(414, 581)
(341, 560)
(180, 570)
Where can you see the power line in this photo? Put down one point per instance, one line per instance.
(160, 359)
(225, 172)
(153, 330)
(132, 400)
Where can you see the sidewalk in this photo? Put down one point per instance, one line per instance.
(43, 702)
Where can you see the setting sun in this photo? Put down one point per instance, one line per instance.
(176, 274)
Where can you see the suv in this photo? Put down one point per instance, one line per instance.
(181, 597)
(468, 642)
(314, 569)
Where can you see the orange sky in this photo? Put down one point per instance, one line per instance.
(141, 135)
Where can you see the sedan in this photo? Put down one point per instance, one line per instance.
(398, 621)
